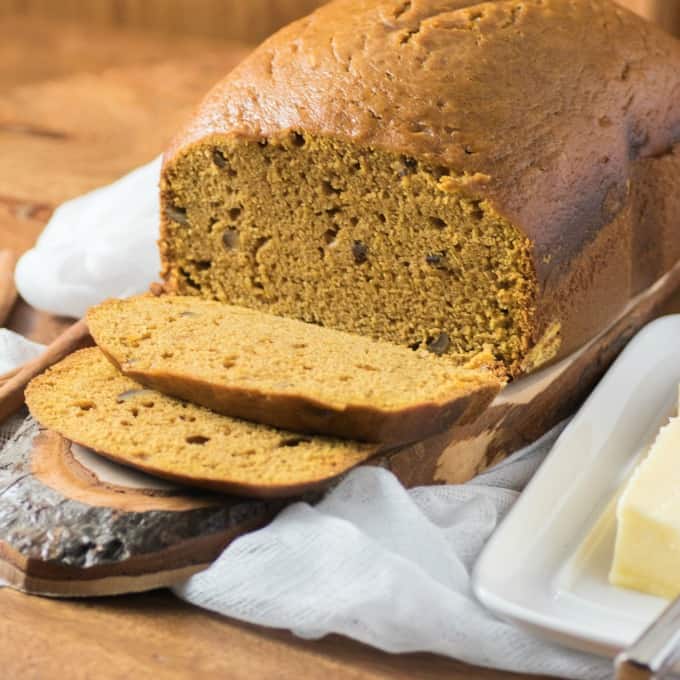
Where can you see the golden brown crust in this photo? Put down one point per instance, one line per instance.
(304, 415)
(143, 337)
(86, 400)
(549, 109)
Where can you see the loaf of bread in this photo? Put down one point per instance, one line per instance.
(245, 363)
(436, 172)
(87, 400)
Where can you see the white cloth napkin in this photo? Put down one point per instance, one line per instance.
(388, 567)
(16, 350)
(97, 246)
(371, 561)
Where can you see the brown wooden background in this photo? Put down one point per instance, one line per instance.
(243, 20)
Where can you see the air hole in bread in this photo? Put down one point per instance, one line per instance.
(436, 259)
(187, 277)
(329, 189)
(360, 252)
(197, 439)
(329, 236)
(439, 345)
(294, 441)
(219, 159)
(367, 367)
(231, 239)
(176, 214)
(477, 211)
(410, 165)
(297, 139)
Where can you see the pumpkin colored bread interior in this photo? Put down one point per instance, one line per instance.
(380, 248)
(87, 400)
(287, 373)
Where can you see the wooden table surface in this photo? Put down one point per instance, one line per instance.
(77, 109)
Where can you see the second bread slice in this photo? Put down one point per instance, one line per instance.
(286, 373)
(87, 400)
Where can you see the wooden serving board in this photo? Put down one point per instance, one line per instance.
(73, 524)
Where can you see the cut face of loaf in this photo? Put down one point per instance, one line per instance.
(436, 172)
(286, 373)
(87, 400)
(360, 240)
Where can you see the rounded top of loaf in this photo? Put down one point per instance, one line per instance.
(515, 98)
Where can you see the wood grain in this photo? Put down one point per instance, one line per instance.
(55, 47)
(249, 21)
(66, 150)
(232, 19)
(156, 636)
(64, 531)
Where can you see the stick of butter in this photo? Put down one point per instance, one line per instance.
(647, 550)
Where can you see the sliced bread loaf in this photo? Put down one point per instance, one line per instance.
(405, 168)
(86, 399)
(287, 373)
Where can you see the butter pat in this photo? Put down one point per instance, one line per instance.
(647, 550)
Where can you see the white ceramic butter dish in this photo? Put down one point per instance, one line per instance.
(546, 567)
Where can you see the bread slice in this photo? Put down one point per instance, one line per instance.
(86, 399)
(287, 373)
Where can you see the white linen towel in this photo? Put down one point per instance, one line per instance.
(372, 561)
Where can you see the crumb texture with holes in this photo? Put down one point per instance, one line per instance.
(171, 438)
(409, 170)
(283, 372)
